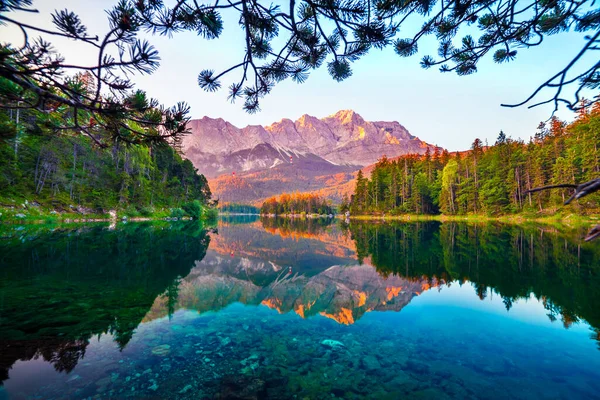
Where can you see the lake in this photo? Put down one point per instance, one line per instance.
(309, 309)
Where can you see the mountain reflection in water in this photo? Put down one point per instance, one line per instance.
(164, 301)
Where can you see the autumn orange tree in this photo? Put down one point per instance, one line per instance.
(296, 203)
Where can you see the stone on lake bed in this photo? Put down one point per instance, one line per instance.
(400, 378)
(73, 378)
(162, 350)
(253, 357)
(334, 344)
(371, 363)
(185, 389)
(103, 381)
(225, 341)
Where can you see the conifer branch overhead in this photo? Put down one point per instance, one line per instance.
(339, 32)
(90, 97)
(581, 190)
(292, 39)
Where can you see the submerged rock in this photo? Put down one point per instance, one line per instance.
(242, 388)
(162, 350)
(185, 389)
(371, 363)
(73, 378)
(334, 344)
(102, 382)
(249, 359)
(250, 364)
(400, 378)
(417, 367)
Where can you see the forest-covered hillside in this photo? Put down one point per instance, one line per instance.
(489, 179)
(42, 168)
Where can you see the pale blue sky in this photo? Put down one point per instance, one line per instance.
(442, 109)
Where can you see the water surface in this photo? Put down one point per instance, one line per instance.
(307, 309)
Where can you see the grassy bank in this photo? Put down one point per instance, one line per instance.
(26, 212)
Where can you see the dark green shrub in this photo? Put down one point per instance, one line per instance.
(177, 213)
(211, 214)
(131, 211)
(193, 209)
(146, 211)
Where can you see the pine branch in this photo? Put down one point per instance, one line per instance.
(581, 190)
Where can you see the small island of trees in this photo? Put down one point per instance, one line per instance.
(297, 203)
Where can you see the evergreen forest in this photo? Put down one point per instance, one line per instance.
(489, 179)
(45, 169)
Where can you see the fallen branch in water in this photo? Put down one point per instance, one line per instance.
(581, 190)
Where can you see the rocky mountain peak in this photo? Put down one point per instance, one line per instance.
(307, 121)
(347, 117)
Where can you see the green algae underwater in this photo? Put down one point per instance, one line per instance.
(310, 309)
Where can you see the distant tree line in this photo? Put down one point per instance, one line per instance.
(489, 179)
(296, 203)
(239, 208)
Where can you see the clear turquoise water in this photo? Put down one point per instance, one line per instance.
(273, 309)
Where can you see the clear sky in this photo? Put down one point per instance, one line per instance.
(442, 109)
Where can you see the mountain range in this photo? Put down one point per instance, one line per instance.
(310, 154)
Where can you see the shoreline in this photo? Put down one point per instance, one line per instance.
(509, 219)
(9, 217)
(26, 216)
(65, 221)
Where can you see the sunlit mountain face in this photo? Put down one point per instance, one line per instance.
(273, 308)
(310, 154)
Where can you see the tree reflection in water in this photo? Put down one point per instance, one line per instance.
(515, 262)
(60, 287)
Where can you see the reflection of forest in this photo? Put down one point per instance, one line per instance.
(233, 219)
(297, 227)
(61, 287)
(513, 261)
